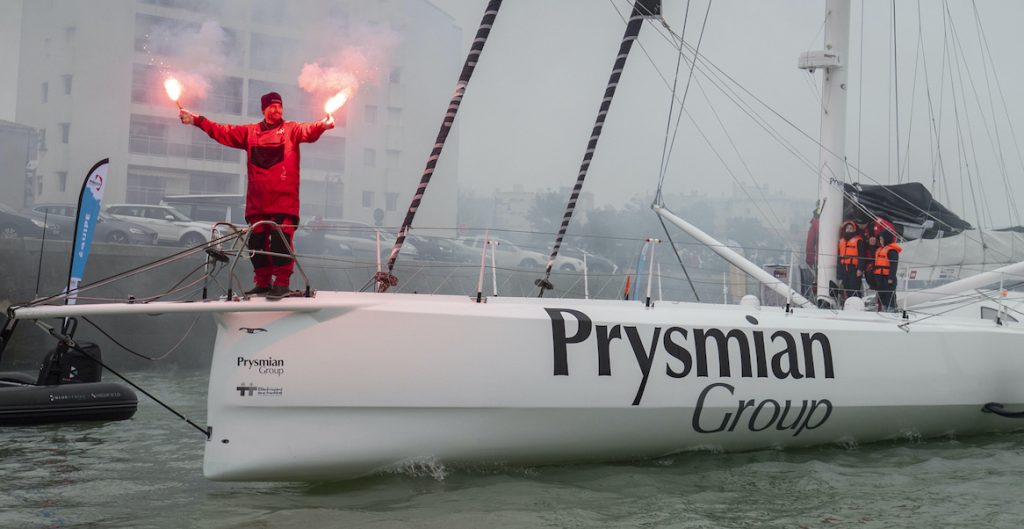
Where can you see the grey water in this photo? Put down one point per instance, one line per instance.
(147, 473)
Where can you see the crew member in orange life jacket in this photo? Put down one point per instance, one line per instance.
(887, 259)
(852, 254)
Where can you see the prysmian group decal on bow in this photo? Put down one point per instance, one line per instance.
(264, 366)
(780, 355)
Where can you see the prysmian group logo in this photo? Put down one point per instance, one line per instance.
(265, 366)
(252, 390)
(738, 354)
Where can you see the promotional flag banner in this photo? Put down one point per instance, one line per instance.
(89, 201)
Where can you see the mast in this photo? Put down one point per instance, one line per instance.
(832, 156)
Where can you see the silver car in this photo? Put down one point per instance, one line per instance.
(508, 255)
(171, 225)
(108, 229)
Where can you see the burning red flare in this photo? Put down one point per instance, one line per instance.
(173, 88)
(338, 101)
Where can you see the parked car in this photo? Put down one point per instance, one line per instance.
(14, 225)
(430, 248)
(108, 229)
(311, 241)
(595, 263)
(508, 255)
(359, 237)
(209, 208)
(171, 225)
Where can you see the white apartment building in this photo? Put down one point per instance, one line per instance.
(91, 80)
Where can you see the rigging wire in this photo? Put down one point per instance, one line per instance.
(999, 87)
(807, 136)
(671, 105)
(904, 169)
(860, 90)
(721, 158)
(896, 89)
(993, 134)
(682, 104)
(958, 45)
(665, 144)
(766, 126)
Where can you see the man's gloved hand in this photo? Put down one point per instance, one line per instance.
(328, 122)
(187, 117)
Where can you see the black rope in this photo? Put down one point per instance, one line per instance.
(636, 20)
(387, 279)
(72, 345)
(136, 353)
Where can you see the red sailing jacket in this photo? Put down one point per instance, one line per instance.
(273, 154)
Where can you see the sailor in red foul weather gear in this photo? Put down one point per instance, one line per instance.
(272, 147)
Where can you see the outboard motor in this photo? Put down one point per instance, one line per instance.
(68, 366)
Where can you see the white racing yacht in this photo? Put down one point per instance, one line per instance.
(339, 385)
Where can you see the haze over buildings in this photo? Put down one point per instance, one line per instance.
(91, 80)
(528, 112)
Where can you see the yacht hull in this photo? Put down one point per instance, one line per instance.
(358, 384)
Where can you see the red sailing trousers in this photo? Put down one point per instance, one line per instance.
(277, 269)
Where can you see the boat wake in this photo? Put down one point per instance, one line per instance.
(420, 467)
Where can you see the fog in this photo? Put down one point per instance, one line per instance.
(929, 101)
(741, 162)
(560, 70)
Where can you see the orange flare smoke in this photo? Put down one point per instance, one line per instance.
(338, 101)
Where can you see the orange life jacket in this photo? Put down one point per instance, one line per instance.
(848, 250)
(882, 264)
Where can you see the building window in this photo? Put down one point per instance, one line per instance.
(65, 132)
(161, 36)
(370, 157)
(367, 199)
(327, 154)
(157, 136)
(370, 114)
(224, 96)
(271, 53)
(390, 201)
(269, 11)
(145, 189)
(144, 85)
(394, 115)
(42, 139)
(394, 157)
(62, 181)
(396, 76)
(67, 83)
(39, 185)
(45, 89)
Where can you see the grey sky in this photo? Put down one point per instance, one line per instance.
(527, 115)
